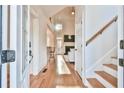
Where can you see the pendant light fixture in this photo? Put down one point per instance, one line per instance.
(73, 11)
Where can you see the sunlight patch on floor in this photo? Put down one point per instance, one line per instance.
(61, 66)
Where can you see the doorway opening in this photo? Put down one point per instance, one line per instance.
(60, 43)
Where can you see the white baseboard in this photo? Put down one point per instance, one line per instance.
(88, 84)
(114, 61)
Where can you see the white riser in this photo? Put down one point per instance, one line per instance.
(114, 61)
(110, 71)
(104, 82)
(88, 84)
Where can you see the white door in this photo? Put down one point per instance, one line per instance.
(22, 46)
(120, 50)
(4, 45)
(12, 24)
(25, 46)
(9, 37)
(9, 29)
(78, 48)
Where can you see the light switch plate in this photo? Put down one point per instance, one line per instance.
(122, 44)
(121, 62)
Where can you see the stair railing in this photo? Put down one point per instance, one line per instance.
(114, 19)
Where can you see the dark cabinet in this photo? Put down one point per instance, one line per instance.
(69, 38)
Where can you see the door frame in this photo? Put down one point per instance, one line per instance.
(0, 42)
(35, 30)
(78, 27)
(120, 51)
(19, 45)
(83, 44)
(25, 74)
(13, 45)
(4, 45)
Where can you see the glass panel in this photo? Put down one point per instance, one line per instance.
(24, 37)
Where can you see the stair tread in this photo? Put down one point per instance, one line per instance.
(112, 66)
(109, 78)
(95, 83)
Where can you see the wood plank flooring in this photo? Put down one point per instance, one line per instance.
(95, 83)
(46, 79)
(51, 79)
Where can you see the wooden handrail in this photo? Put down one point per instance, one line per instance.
(114, 19)
(114, 57)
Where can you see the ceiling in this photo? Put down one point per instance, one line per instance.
(51, 10)
(64, 15)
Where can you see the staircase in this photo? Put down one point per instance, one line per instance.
(105, 78)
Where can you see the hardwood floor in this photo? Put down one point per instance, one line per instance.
(52, 79)
(45, 79)
(95, 83)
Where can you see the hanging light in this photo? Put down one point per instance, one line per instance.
(73, 11)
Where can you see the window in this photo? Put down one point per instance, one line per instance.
(58, 27)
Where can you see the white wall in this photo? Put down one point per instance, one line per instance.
(69, 29)
(50, 38)
(69, 26)
(42, 39)
(95, 18)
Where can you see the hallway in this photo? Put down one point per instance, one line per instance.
(62, 46)
(59, 74)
